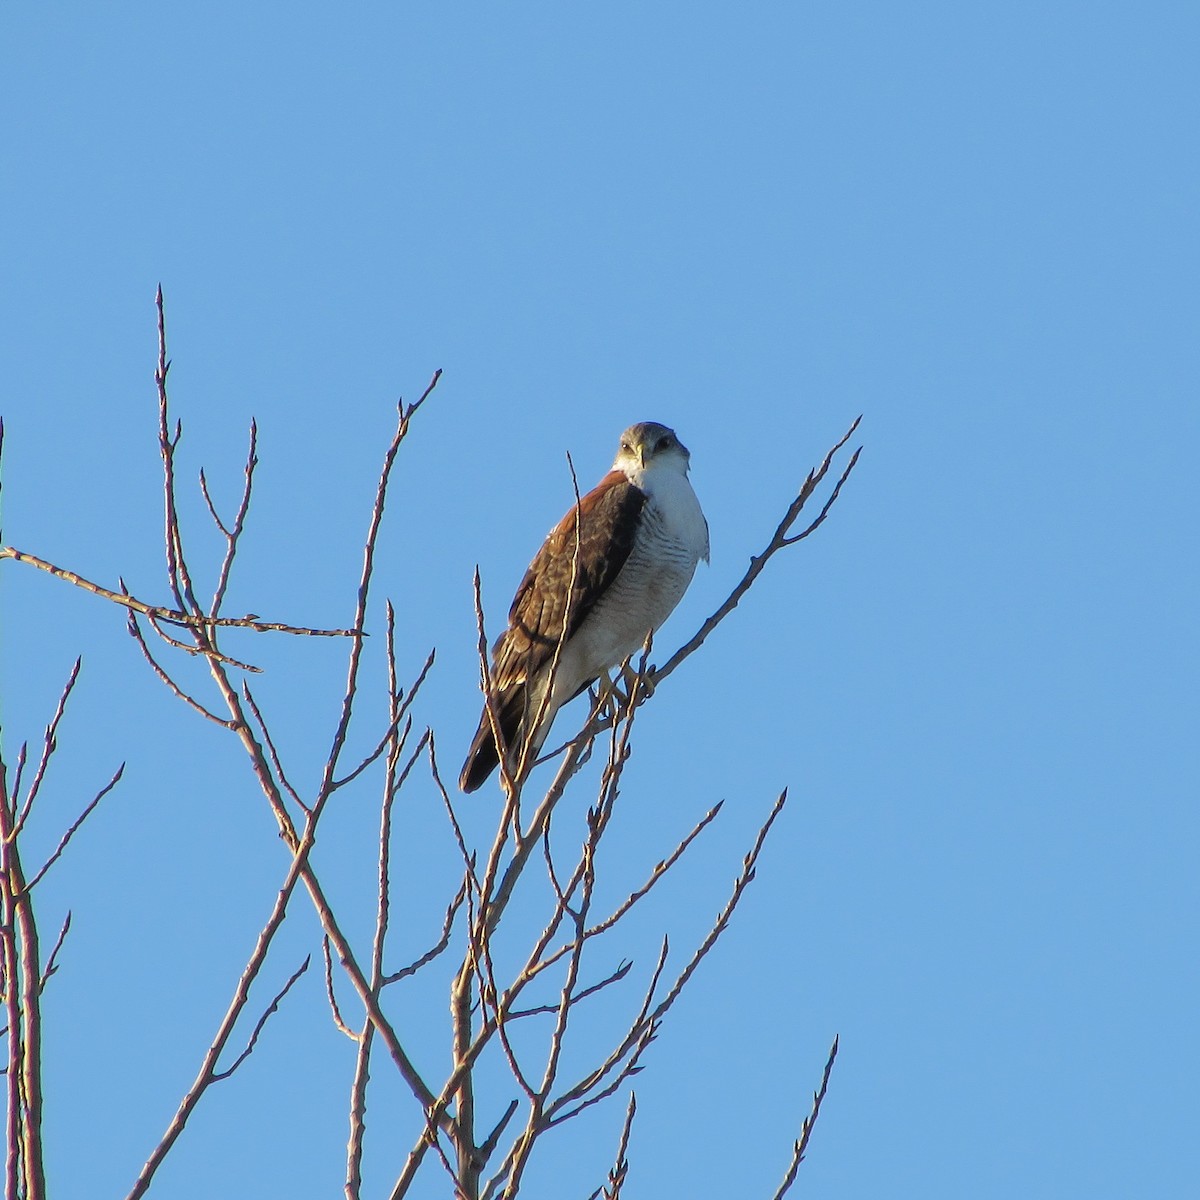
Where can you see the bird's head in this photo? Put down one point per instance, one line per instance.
(648, 447)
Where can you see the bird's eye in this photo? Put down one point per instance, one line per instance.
(626, 448)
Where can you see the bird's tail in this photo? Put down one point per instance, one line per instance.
(482, 758)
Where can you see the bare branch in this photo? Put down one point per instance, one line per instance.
(489, 1146)
(641, 1032)
(272, 1008)
(232, 536)
(448, 1167)
(481, 1006)
(623, 1060)
(438, 947)
(620, 1167)
(742, 882)
(135, 631)
(479, 936)
(358, 1115)
(807, 1127)
(51, 962)
(212, 508)
(22, 987)
(364, 585)
(391, 786)
(83, 816)
(338, 1020)
(778, 542)
(204, 1076)
(299, 844)
(467, 857)
(551, 873)
(391, 729)
(538, 961)
(20, 770)
(837, 488)
(660, 869)
(205, 647)
(270, 744)
(545, 1009)
(49, 745)
(170, 616)
(15, 1049)
(177, 572)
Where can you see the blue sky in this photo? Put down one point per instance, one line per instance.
(975, 225)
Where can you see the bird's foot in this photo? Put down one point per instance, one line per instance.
(643, 683)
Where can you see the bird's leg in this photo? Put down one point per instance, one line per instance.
(606, 699)
(611, 697)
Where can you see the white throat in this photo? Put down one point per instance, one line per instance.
(665, 482)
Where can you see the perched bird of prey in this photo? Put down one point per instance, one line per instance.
(641, 534)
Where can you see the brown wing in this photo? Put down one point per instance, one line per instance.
(608, 520)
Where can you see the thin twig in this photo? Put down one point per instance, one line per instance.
(489, 1146)
(212, 508)
(807, 1127)
(338, 1020)
(393, 726)
(779, 540)
(545, 1009)
(176, 570)
(83, 816)
(364, 587)
(52, 961)
(394, 743)
(467, 857)
(438, 947)
(135, 632)
(743, 881)
(232, 536)
(19, 772)
(205, 647)
(641, 1031)
(270, 744)
(204, 1077)
(623, 1059)
(620, 1167)
(660, 869)
(271, 1009)
(49, 745)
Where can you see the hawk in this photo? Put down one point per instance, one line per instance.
(641, 534)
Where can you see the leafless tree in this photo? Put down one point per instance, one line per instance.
(514, 1012)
